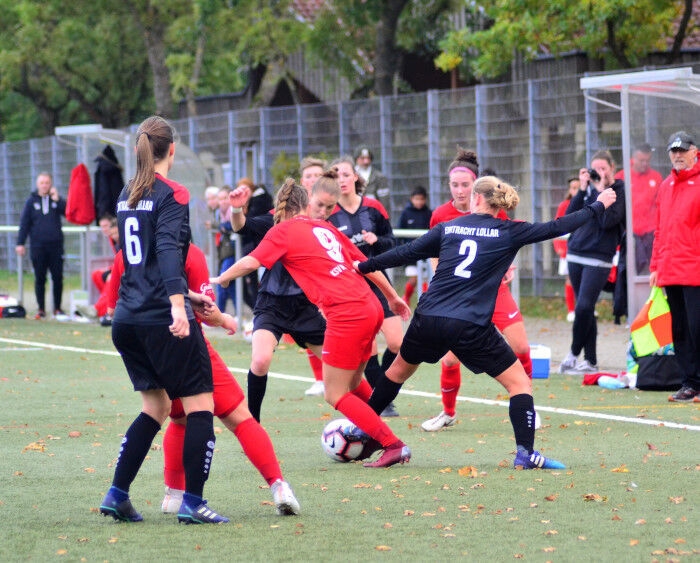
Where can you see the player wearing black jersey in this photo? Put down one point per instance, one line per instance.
(154, 328)
(475, 252)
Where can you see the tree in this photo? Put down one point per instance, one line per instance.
(619, 32)
(71, 63)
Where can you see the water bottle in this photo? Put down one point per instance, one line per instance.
(608, 382)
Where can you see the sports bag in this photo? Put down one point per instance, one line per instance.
(658, 373)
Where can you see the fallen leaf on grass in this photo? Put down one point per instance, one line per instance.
(616, 517)
(634, 542)
(112, 540)
(651, 446)
(39, 446)
(409, 512)
(383, 548)
(61, 552)
(640, 522)
(676, 500)
(621, 469)
(594, 497)
(468, 471)
(679, 540)
(74, 434)
(551, 533)
(445, 470)
(551, 498)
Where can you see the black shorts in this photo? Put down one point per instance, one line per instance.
(385, 304)
(479, 348)
(289, 314)
(155, 359)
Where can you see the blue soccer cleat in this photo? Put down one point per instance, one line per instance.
(535, 460)
(122, 511)
(200, 514)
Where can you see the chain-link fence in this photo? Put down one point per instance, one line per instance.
(534, 134)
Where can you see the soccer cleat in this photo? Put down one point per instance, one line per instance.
(390, 411)
(396, 453)
(40, 314)
(172, 500)
(285, 501)
(583, 367)
(684, 395)
(569, 364)
(535, 460)
(316, 389)
(200, 514)
(122, 511)
(442, 420)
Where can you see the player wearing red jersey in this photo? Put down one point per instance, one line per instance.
(463, 171)
(319, 258)
(229, 402)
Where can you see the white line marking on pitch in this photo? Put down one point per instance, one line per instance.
(492, 402)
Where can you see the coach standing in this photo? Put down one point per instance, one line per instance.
(675, 263)
(41, 222)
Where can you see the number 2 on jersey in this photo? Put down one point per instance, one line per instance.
(467, 247)
(132, 242)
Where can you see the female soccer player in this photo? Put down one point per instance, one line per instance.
(475, 252)
(320, 260)
(366, 223)
(229, 403)
(154, 328)
(463, 172)
(281, 306)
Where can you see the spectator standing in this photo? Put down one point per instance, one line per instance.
(560, 248)
(645, 182)
(675, 263)
(109, 182)
(590, 257)
(376, 184)
(211, 196)
(225, 248)
(41, 222)
(416, 215)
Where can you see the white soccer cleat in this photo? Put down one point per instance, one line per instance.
(317, 389)
(284, 499)
(440, 421)
(172, 500)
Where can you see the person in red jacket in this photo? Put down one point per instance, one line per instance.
(675, 262)
(645, 182)
(229, 402)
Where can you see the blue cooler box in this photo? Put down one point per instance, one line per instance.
(541, 357)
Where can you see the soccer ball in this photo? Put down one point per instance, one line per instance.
(338, 441)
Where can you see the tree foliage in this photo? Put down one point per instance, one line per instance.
(619, 32)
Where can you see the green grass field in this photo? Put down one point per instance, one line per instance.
(629, 493)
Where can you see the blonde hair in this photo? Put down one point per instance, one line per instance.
(497, 193)
(327, 183)
(291, 200)
(309, 161)
(153, 139)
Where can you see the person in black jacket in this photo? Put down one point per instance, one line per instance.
(108, 183)
(589, 258)
(41, 222)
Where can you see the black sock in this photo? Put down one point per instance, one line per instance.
(135, 445)
(387, 359)
(522, 417)
(384, 392)
(197, 450)
(257, 384)
(373, 370)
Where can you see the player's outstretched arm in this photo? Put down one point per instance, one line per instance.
(243, 267)
(396, 304)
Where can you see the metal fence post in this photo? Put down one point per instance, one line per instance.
(434, 172)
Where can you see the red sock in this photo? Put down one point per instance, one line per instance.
(450, 381)
(408, 291)
(173, 470)
(361, 414)
(527, 363)
(316, 365)
(363, 390)
(257, 446)
(570, 297)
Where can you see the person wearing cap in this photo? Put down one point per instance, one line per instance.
(675, 263)
(644, 184)
(376, 184)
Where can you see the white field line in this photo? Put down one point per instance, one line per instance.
(492, 402)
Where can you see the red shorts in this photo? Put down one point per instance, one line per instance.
(227, 392)
(506, 312)
(350, 334)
